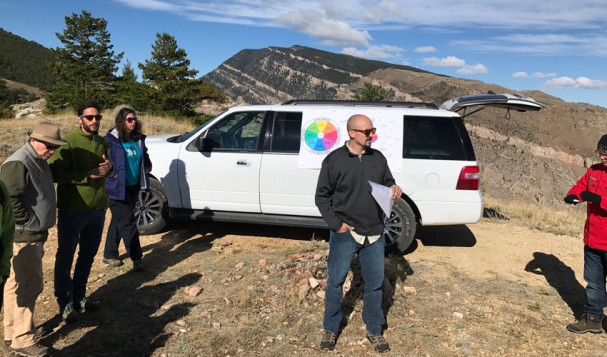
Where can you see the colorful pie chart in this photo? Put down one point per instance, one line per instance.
(321, 135)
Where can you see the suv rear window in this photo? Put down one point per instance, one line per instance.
(436, 138)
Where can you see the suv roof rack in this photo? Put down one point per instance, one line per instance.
(355, 103)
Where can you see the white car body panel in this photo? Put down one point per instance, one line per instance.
(220, 181)
(285, 188)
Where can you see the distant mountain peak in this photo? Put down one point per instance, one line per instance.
(275, 74)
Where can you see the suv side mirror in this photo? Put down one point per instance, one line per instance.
(203, 144)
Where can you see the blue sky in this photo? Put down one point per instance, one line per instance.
(558, 46)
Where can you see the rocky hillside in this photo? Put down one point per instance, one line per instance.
(533, 156)
(276, 74)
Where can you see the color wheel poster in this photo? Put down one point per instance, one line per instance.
(323, 131)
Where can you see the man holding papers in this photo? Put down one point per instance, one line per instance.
(343, 196)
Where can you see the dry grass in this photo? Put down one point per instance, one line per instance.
(14, 132)
(564, 220)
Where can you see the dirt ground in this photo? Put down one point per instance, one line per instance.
(488, 289)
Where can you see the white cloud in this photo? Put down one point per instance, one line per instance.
(382, 11)
(394, 9)
(383, 51)
(575, 27)
(590, 43)
(332, 10)
(425, 49)
(583, 82)
(519, 75)
(560, 82)
(405, 62)
(330, 31)
(449, 61)
(475, 69)
(580, 14)
(151, 4)
(580, 82)
(543, 75)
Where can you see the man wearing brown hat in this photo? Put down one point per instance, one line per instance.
(28, 178)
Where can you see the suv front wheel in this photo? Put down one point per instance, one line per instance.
(400, 228)
(151, 209)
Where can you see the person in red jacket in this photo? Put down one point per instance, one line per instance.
(592, 188)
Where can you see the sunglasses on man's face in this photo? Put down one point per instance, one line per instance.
(130, 120)
(91, 117)
(367, 132)
(49, 146)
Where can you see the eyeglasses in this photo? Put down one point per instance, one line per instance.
(604, 154)
(91, 117)
(49, 147)
(130, 120)
(367, 132)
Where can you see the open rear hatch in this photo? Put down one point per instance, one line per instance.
(509, 101)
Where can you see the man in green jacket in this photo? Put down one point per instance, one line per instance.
(79, 168)
(32, 194)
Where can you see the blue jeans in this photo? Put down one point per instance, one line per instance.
(76, 228)
(342, 250)
(595, 270)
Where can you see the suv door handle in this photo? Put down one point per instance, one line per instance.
(243, 163)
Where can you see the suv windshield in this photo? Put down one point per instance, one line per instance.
(185, 136)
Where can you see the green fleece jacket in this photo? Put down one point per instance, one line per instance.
(7, 230)
(70, 164)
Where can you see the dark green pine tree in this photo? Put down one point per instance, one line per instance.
(173, 86)
(85, 64)
(130, 92)
(371, 93)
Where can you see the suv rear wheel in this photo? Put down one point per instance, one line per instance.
(400, 228)
(151, 209)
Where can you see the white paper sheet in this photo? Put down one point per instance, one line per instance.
(383, 197)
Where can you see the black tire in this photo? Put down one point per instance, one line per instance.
(151, 210)
(400, 228)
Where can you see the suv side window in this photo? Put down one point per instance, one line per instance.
(432, 138)
(237, 131)
(286, 132)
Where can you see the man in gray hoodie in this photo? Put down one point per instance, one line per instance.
(28, 178)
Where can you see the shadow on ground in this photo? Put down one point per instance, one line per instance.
(252, 230)
(132, 313)
(446, 236)
(562, 278)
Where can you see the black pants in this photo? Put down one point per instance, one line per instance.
(123, 225)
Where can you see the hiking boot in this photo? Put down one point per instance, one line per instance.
(328, 341)
(113, 262)
(35, 350)
(41, 333)
(587, 323)
(380, 343)
(85, 305)
(138, 265)
(68, 314)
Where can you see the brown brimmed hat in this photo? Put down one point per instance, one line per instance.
(48, 133)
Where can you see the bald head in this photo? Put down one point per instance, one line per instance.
(359, 121)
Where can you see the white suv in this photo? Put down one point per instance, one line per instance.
(248, 164)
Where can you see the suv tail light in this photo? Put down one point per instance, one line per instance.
(468, 178)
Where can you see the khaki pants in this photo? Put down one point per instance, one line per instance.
(20, 293)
